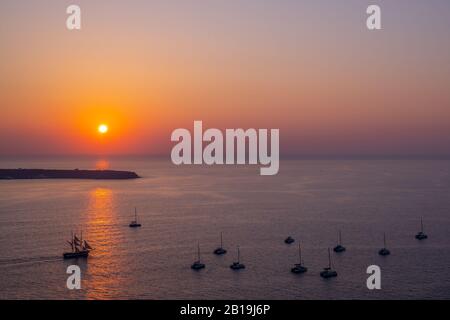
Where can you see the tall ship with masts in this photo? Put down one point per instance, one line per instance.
(237, 265)
(135, 223)
(339, 247)
(197, 265)
(421, 235)
(384, 251)
(219, 251)
(299, 267)
(80, 248)
(328, 272)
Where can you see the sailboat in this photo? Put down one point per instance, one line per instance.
(299, 267)
(135, 223)
(328, 272)
(339, 247)
(384, 251)
(80, 248)
(219, 251)
(197, 265)
(421, 235)
(238, 265)
(289, 240)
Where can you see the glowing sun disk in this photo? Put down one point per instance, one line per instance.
(103, 128)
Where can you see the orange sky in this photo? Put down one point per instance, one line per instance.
(310, 69)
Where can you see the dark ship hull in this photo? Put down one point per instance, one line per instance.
(135, 225)
(220, 251)
(421, 236)
(197, 265)
(299, 269)
(237, 266)
(328, 274)
(74, 255)
(339, 249)
(289, 240)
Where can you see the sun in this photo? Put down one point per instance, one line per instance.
(103, 128)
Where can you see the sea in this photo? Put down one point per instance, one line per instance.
(182, 208)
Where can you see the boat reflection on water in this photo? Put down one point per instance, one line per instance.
(103, 276)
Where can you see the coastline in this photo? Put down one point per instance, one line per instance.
(15, 174)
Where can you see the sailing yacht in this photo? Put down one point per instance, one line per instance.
(80, 248)
(135, 223)
(237, 265)
(421, 235)
(220, 251)
(328, 272)
(197, 265)
(339, 248)
(289, 240)
(384, 251)
(299, 267)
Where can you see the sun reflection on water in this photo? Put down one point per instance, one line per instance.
(103, 279)
(102, 165)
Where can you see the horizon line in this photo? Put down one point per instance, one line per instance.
(282, 156)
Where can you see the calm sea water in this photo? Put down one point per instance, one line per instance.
(180, 206)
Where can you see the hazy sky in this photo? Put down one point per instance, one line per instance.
(309, 68)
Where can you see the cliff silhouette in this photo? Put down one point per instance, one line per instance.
(9, 174)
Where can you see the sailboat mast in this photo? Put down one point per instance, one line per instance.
(340, 238)
(239, 255)
(421, 225)
(384, 239)
(198, 251)
(221, 241)
(300, 253)
(135, 214)
(329, 258)
(72, 242)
